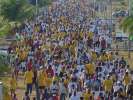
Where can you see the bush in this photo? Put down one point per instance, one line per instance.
(4, 69)
(3, 65)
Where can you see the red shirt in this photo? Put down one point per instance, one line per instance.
(29, 65)
(103, 44)
(55, 97)
(50, 72)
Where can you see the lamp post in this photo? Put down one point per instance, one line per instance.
(129, 41)
(129, 7)
(36, 7)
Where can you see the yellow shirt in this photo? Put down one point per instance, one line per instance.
(29, 77)
(87, 96)
(42, 79)
(13, 83)
(106, 57)
(103, 58)
(17, 51)
(90, 69)
(126, 79)
(37, 29)
(7, 96)
(49, 81)
(72, 48)
(23, 55)
(94, 56)
(90, 35)
(113, 77)
(66, 81)
(62, 18)
(110, 57)
(81, 34)
(108, 85)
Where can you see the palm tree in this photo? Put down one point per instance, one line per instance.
(127, 26)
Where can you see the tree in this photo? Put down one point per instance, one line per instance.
(13, 12)
(16, 10)
(42, 3)
(127, 26)
(5, 26)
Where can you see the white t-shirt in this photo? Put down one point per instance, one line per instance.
(70, 89)
(77, 97)
(116, 88)
(79, 67)
(109, 40)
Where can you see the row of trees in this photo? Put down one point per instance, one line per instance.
(16, 11)
(127, 25)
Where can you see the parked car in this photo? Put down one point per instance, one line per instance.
(121, 13)
(120, 36)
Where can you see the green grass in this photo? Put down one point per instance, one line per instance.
(4, 69)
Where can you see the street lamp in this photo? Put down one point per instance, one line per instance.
(129, 41)
(129, 7)
(36, 7)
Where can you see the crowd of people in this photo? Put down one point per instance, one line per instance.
(66, 55)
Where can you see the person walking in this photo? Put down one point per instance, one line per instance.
(13, 85)
(29, 80)
(130, 90)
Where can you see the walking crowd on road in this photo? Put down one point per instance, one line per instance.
(66, 55)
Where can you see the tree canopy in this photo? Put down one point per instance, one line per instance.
(12, 12)
(44, 2)
(127, 24)
(16, 10)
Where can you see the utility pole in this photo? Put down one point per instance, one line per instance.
(129, 42)
(129, 7)
(36, 7)
(111, 8)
